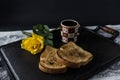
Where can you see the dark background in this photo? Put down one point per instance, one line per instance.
(25, 13)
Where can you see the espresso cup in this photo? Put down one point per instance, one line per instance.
(69, 30)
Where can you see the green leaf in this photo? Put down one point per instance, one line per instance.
(48, 42)
(46, 27)
(27, 33)
(39, 27)
(49, 36)
(39, 32)
(45, 32)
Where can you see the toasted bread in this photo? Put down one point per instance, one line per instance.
(48, 64)
(72, 55)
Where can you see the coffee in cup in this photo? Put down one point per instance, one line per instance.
(69, 30)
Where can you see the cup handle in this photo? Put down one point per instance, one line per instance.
(109, 30)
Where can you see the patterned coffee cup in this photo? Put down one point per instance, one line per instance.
(69, 30)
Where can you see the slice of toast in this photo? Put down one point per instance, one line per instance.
(72, 55)
(48, 63)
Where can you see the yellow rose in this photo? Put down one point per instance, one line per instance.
(33, 44)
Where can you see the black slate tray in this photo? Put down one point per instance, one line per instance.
(24, 66)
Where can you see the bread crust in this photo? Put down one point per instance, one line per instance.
(51, 70)
(48, 64)
(73, 56)
(88, 59)
(65, 62)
